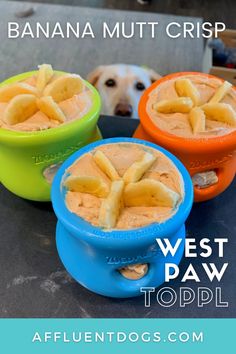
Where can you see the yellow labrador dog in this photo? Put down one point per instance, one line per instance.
(121, 87)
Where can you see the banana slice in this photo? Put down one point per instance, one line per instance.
(177, 105)
(221, 112)
(185, 88)
(9, 91)
(45, 74)
(197, 120)
(64, 87)
(110, 208)
(20, 108)
(87, 184)
(51, 109)
(137, 169)
(149, 192)
(105, 165)
(221, 92)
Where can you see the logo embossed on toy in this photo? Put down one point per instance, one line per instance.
(209, 163)
(49, 157)
(134, 259)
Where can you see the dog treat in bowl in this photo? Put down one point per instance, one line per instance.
(194, 107)
(193, 115)
(123, 186)
(44, 100)
(45, 116)
(113, 198)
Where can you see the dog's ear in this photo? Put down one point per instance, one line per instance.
(94, 75)
(154, 76)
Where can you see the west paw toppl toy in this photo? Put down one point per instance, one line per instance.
(199, 155)
(29, 159)
(94, 255)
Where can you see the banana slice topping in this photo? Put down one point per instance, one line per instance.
(45, 74)
(197, 120)
(221, 92)
(49, 90)
(49, 107)
(10, 91)
(188, 102)
(149, 192)
(105, 165)
(64, 87)
(137, 169)
(221, 112)
(127, 191)
(20, 108)
(87, 184)
(185, 88)
(111, 206)
(177, 105)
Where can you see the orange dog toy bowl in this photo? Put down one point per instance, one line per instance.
(198, 155)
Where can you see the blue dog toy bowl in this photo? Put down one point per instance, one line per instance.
(92, 256)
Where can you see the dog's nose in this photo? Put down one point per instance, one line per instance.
(123, 109)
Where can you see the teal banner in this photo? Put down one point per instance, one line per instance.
(69, 336)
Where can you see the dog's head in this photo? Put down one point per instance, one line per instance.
(121, 87)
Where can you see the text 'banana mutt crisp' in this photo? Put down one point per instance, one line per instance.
(45, 100)
(194, 106)
(123, 186)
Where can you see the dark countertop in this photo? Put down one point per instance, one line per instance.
(33, 282)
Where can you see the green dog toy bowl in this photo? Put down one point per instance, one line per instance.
(29, 160)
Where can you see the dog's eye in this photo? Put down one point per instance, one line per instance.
(110, 83)
(140, 86)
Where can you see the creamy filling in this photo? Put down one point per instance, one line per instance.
(74, 108)
(178, 123)
(123, 155)
(134, 271)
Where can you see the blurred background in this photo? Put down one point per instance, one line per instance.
(162, 54)
(210, 10)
